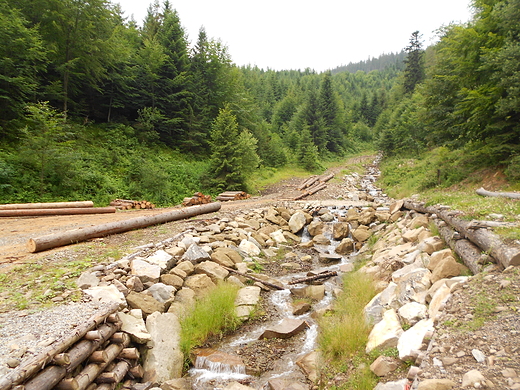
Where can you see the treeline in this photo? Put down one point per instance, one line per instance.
(462, 96)
(384, 61)
(94, 106)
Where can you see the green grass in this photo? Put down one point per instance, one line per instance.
(213, 315)
(344, 335)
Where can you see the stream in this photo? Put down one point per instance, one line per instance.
(278, 356)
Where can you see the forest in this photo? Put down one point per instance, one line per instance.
(93, 106)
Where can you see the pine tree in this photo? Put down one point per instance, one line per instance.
(308, 154)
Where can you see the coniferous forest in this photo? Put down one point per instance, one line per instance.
(93, 106)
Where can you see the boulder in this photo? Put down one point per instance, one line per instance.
(316, 293)
(218, 361)
(146, 303)
(327, 258)
(297, 222)
(436, 384)
(327, 217)
(134, 284)
(237, 386)
(87, 280)
(374, 310)
(176, 384)
(412, 235)
(161, 292)
(301, 308)
(420, 220)
(386, 333)
(438, 300)
(249, 248)
(285, 384)
(309, 364)
(162, 259)
(195, 254)
(412, 339)
(436, 257)
(362, 233)
(287, 328)
(395, 385)
(413, 312)
(345, 247)
(200, 284)
(471, 378)
(278, 236)
(246, 300)
(384, 365)
(320, 239)
(173, 280)
(431, 244)
(221, 258)
(185, 266)
(145, 271)
(448, 268)
(135, 327)
(340, 230)
(164, 359)
(213, 270)
(315, 227)
(106, 294)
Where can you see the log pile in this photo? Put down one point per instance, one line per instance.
(196, 199)
(95, 356)
(232, 195)
(313, 184)
(127, 204)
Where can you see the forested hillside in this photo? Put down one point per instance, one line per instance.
(94, 106)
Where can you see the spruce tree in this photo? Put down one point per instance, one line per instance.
(414, 71)
(226, 155)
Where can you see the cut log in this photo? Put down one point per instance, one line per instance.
(505, 253)
(136, 372)
(326, 178)
(69, 211)
(511, 195)
(78, 235)
(129, 353)
(53, 205)
(98, 357)
(32, 366)
(116, 375)
(61, 359)
(468, 252)
(255, 279)
(323, 275)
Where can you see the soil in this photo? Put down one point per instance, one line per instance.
(498, 338)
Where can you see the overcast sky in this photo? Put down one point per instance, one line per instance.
(296, 34)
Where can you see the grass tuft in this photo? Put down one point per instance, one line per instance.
(212, 315)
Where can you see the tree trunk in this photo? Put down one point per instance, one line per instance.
(314, 277)
(511, 195)
(32, 366)
(78, 235)
(506, 254)
(41, 212)
(54, 205)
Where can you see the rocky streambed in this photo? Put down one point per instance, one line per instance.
(418, 278)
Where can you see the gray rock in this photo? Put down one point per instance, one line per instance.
(135, 327)
(162, 259)
(195, 254)
(176, 384)
(396, 385)
(471, 378)
(386, 333)
(327, 217)
(478, 355)
(249, 248)
(106, 294)
(327, 258)
(384, 365)
(436, 384)
(162, 292)
(164, 359)
(134, 284)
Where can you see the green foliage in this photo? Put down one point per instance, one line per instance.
(212, 315)
(308, 153)
(414, 70)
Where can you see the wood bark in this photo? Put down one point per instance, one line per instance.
(116, 375)
(314, 277)
(511, 195)
(61, 359)
(32, 366)
(505, 253)
(68, 211)
(255, 279)
(129, 353)
(53, 205)
(78, 235)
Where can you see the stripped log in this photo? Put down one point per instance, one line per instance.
(255, 279)
(129, 353)
(78, 235)
(52, 375)
(69, 211)
(326, 178)
(232, 195)
(32, 366)
(98, 357)
(61, 359)
(309, 182)
(511, 195)
(323, 275)
(53, 205)
(505, 253)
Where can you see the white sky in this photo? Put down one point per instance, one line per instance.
(319, 34)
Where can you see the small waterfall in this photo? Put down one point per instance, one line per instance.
(203, 363)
